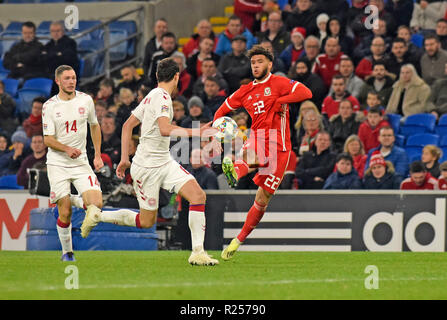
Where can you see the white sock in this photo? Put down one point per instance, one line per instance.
(197, 225)
(65, 238)
(121, 217)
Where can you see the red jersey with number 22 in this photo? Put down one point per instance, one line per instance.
(260, 101)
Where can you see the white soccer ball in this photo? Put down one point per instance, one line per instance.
(227, 129)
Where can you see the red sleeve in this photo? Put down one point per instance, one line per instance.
(230, 104)
(355, 103)
(294, 92)
(292, 163)
(247, 6)
(364, 69)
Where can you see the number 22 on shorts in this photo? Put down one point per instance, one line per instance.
(272, 182)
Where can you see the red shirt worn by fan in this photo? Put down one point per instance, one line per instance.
(267, 103)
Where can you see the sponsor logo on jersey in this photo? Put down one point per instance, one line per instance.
(58, 114)
(249, 98)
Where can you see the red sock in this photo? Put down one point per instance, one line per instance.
(254, 216)
(241, 168)
(62, 224)
(137, 221)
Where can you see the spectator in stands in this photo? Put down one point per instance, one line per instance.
(8, 122)
(404, 32)
(373, 100)
(179, 112)
(235, 66)
(260, 24)
(442, 180)
(380, 174)
(60, 50)
(434, 60)
(24, 59)
(355, 13)
(370, 128)
(234, 28)
(247, 10)
(363, 49)
(410, 93)
(360, 28)
(311, 50)
(111, 143)
(441, 32)
(278, 64)
(396, 155)
(419, 178)
(327, 64)
(213, 98)
(38, 157)
(21, 150)
(301, 71)
(209, 69)
(168, 47)
(5, 154)
(129, 78)
(338, 8)
(353, 83)
(430, 157)
(365, 67)
(334, 28)
(100, 109)
(400, 56)
(379, 82)
(317, 164)
(142, 92)
(322, 20)
(206, 177)
(303, 15)
(312, 124)
(402, 11)
(106, 90)
(331, 103)
(354, 147)
(197, 112)
(154, 44)
(127, 104)
(343, 125)
(295, 49)
(276, 33)
(345, 176)
(425, 15)
(185, 83)
(204, 31)
(205, 51)
(438, 96)
(33, 124)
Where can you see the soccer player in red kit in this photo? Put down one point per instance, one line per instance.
(266, 99)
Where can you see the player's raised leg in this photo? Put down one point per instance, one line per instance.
(254, 216)
(196, 197)
(93, 202)
(240, 168)
(63, 227)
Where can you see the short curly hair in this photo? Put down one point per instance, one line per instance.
(259, 50)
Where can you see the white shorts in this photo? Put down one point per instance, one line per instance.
(148, 181)
(82, 177)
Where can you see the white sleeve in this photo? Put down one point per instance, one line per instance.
(91, 112)
(138, 112)
(47, 121)
(162, 105)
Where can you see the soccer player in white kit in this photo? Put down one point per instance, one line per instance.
(64, 119)
(153, 167)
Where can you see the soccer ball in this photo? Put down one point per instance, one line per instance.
(227, 129)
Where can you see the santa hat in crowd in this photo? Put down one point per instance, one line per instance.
(377, 159)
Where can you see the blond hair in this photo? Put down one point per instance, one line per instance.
(352, 138)
(304, 104)
(434, 151)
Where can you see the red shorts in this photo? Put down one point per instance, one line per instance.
(269, 177)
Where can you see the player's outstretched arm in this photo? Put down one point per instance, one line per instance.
(126, 135)
(298, 93)
(51, 142)
(167, 129)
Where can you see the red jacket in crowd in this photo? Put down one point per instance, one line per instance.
(327, 67)
(430, 183)
(247, 10)
(330, 105)
(370, 136)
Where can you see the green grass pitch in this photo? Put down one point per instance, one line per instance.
(166, 275)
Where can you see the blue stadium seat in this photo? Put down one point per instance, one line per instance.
(84, 25)
(415, 143)
(9, 182)
(418, 40)
(118, 52)
(25, 98)
(42, 84)
(418, 123)
(414, 155)
(443, 141)
(43, 30)
(394, 120)
(3, 72)
(14, 26)
(130, 27)
(400, 140)
(7, 44)
(441, 127)
(19, 1)
(11, 86)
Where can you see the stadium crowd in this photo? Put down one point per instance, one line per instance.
(343, 138)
